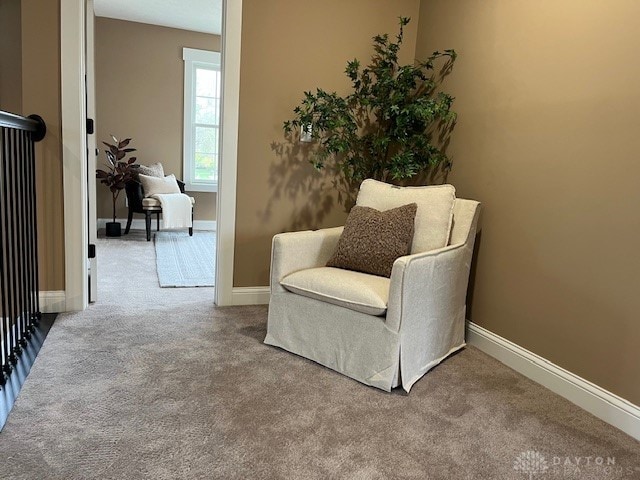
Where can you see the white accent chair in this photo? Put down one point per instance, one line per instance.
(138, 203)
(383, 332)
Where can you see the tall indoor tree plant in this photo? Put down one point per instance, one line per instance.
(394, 124)
(116, 175)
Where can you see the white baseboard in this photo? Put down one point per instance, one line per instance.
(250, 295)
(603, 404)
(53, 301)
(138, 224)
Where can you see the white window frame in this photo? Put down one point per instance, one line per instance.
(192, 59)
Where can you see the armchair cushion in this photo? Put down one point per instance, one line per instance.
(435, 209)
(155, 185)
(372, 240)
(356, 291)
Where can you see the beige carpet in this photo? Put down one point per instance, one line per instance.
(158, 383)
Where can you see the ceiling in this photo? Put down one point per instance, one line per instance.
(195, 15)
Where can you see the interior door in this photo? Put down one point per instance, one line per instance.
(92, 152)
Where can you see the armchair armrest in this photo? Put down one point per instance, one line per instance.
(295, 251)
(428, 285)
(133, 189)
(427, 307)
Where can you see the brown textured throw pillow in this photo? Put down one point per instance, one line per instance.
(372, 240)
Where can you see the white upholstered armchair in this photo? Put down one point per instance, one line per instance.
(384, 332)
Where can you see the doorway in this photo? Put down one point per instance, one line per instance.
(158, 83)
(74, 145)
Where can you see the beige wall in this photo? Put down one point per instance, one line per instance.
(10, 57)
(549, 108)
(139, 94)
(41, 95)
(288, 47)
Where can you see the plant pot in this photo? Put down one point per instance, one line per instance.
(113, 229)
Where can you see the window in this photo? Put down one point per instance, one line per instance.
(201, 119)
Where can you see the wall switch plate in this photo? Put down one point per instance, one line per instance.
(306, 133)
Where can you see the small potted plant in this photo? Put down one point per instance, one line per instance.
(116, 176)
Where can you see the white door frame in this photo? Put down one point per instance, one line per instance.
(74, 147)
(90, 86)
(72, 48)
(227, 169)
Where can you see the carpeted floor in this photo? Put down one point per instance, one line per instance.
(159, 384)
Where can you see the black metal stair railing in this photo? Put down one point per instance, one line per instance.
(19, 302)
